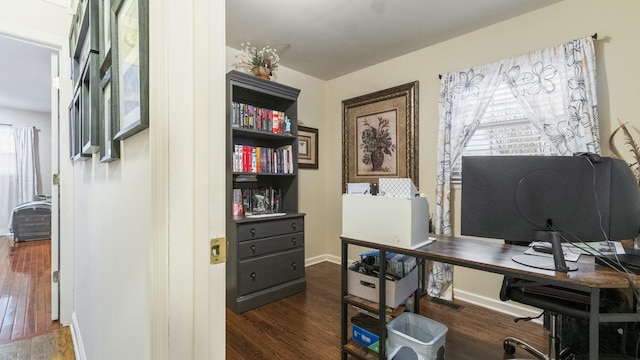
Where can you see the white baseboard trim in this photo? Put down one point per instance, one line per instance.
(322, 258)
(78, 347)
(506, 307)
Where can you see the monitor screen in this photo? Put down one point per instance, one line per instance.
(587, 199)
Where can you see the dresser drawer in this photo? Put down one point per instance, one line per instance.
(259, 247)
(261, 229)
(269, 270)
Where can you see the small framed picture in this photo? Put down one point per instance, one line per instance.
(307, 147)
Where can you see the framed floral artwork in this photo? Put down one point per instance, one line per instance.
(380, 135)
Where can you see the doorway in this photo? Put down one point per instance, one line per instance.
(28, 99)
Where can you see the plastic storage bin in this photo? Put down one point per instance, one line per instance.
(424, 336)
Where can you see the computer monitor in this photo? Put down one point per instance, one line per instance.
(584, 198)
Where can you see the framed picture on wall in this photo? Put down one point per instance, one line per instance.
(307, 147)
(380, 135)
(130, 66)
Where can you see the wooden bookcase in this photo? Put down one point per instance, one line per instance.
(265, 254)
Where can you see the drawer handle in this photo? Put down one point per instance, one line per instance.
(293, 265)
(253, 276)
(293, 241)
(253, 232)
(253, 249)
(293, 226)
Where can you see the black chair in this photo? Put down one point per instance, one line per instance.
(555, 303)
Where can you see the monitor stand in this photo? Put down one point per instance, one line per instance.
(540, 262)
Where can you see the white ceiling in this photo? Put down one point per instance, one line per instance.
(330, 38)
(25, 75)
(321, 38)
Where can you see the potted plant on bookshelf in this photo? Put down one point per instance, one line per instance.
(376, 143)
(262, 63)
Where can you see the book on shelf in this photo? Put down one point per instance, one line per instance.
(263, 160)
(252, 117)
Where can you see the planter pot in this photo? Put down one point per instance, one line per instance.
(262, 72)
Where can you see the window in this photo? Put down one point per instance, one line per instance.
(7, 151)
(504, 130)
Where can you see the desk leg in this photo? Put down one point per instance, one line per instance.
(344, 307)
(594, 324)
(382, 305)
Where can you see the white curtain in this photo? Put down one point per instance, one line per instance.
(556, 88)
(27, 182)
(8, 194)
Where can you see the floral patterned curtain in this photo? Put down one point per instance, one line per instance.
(556, 88)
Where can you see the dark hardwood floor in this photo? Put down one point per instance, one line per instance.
(307, 325)
(25, 289)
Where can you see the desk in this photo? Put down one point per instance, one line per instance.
(496, 258)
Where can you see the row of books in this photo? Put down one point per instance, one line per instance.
(256, 201)
(256, 118)
(255, 159)
(398, 265)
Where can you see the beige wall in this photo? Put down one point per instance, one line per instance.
(617, 53)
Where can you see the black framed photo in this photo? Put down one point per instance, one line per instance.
(130, 66)
(307, 147)
(90, 107)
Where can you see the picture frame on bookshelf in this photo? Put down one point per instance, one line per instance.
(380, 135)
(130, 66)
(307, 147)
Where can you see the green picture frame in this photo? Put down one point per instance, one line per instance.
(130, 66)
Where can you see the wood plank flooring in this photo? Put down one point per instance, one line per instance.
(307, 325)
(25, 289)
(54, 345)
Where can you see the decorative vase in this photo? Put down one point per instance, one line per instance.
(377, 158)
(262, 72)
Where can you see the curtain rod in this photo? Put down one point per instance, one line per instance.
(594, 37)
(14, 125)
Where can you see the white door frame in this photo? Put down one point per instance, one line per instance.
(55, 190)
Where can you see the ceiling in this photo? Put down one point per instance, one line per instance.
(324, 39)
(331, 38)
(25, 75)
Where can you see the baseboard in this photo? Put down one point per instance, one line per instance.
(322, 258)
(78, 347)
(505, 307)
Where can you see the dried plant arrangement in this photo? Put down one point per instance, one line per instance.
(631, 143)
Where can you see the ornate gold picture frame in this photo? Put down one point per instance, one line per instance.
(380, 135)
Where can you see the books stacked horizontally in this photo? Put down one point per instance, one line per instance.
(251, 117)
(255, 159)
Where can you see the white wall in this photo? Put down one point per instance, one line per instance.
(41, 121)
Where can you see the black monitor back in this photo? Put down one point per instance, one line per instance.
(508, 197)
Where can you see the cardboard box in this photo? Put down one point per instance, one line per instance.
(385, 220)
(365, 337)
(366, 287)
